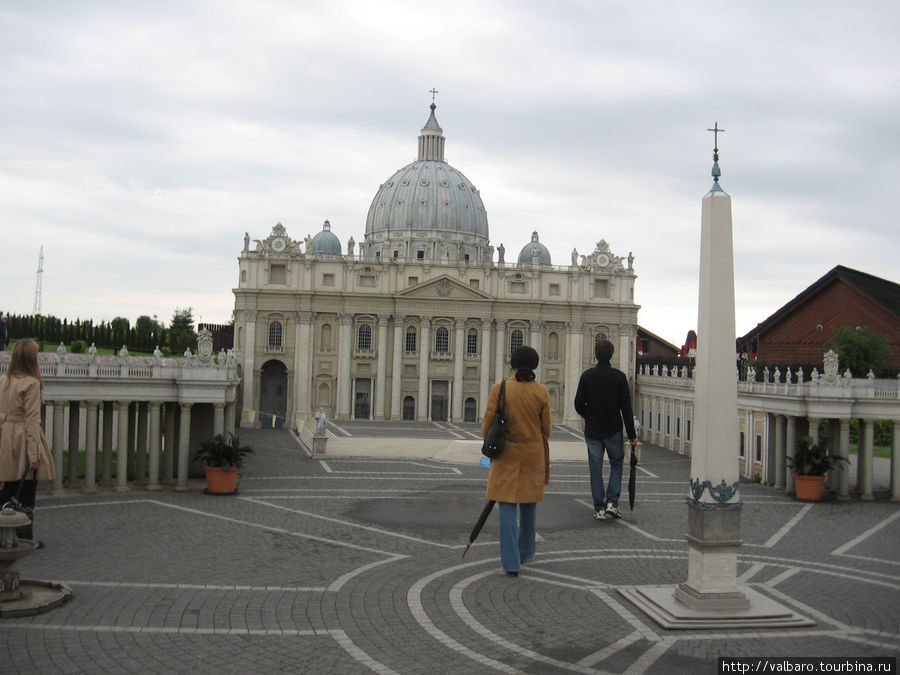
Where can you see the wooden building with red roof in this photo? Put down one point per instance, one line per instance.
(843, 297)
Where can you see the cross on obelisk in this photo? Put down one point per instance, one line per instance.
(716, 172)
(434, 92)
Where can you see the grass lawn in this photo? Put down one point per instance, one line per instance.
(880, 450)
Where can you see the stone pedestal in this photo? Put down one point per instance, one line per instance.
(713, 544)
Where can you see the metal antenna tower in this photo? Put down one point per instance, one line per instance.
(38, 284)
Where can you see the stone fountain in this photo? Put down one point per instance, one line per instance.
(23, 597)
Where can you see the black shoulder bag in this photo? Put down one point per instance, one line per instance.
(496, 435)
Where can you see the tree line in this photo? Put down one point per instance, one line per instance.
(145, 335)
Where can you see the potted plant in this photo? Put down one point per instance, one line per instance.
(223, 456)
(809, 465)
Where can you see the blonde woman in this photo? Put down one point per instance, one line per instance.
(22, 441)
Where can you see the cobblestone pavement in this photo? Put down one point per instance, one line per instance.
(353, 565)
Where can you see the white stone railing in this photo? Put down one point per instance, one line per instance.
(151, 413)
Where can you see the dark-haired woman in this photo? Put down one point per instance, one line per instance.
(519, 474)
(22, 441)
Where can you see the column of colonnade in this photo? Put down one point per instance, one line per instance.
(344, 359)
(424, 357)
(397, 366)
(133, 430)
(485, 384)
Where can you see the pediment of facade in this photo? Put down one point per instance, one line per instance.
(443, 288)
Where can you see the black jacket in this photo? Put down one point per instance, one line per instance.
(604, 402)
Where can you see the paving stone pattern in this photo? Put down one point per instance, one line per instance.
(352, 565)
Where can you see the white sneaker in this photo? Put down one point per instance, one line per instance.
(612, 511)
(600, 515)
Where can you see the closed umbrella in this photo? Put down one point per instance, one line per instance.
(485, 512)
(632, 476)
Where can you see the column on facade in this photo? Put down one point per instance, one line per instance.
(397, 366)
(424, 354)
(122, 447)
(865, 458)
(790, 450)
(574, 349)
(780, 466)
(59, 411)
(381, 366)
(302, 370)
(345, 358)
(485, 383)
(500, 364)
(249, 379)
(536, 340)
(90, 449)
(458, 370)
(842, 479)
(895, 463)
(154, 448)
(74, 435)
(184, 447)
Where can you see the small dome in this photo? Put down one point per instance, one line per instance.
(325, 242)
(534, 251)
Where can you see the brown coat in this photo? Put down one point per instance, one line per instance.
(22, 438)
(519, 474)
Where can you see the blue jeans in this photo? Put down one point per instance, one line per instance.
(517, 534)
(614, 447)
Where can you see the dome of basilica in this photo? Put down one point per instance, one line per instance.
(428, 199)
(325, 242)
(534, 251)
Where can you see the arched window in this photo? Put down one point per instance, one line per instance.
(472, 342)
(409, 408)
(470, 410)
(276, 331)
(325, 337)
(364, 338)
(553, 346)
(410, 340)
(516, 340)
(600, 336)
(442, 340)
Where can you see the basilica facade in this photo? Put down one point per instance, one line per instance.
(417, 320)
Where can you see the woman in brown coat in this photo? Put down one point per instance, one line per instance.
(519, 474)
(22, 441)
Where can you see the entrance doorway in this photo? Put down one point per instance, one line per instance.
(362, 401)
(440, 400)
(273, 393)
(471, 411)
(409, 408)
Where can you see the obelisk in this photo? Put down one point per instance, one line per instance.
(711, 597)
(714, 501)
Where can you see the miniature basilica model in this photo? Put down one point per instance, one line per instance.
(417, 321)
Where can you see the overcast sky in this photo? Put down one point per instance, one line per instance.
(140, 140)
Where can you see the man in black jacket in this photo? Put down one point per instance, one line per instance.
(604, 402)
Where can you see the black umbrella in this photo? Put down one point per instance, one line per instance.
(632, 478)
(485, 512)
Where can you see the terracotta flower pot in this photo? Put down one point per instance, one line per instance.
(809, 488)
(220, 480)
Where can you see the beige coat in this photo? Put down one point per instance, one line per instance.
(519, 474)
(22, 438)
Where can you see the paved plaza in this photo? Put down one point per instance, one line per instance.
(352, 564)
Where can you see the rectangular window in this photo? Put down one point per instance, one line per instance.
(517, 287)
(601, 288)
(277, 274)
(472, 343)
(668, 423)
(554, 289)
(688, 429)
(677, 427)
(328, 280)
(758, 448)
(410, 342)
(420, 255)
(367, 280)
(413, 281)
(474, 283)
(741, 445)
